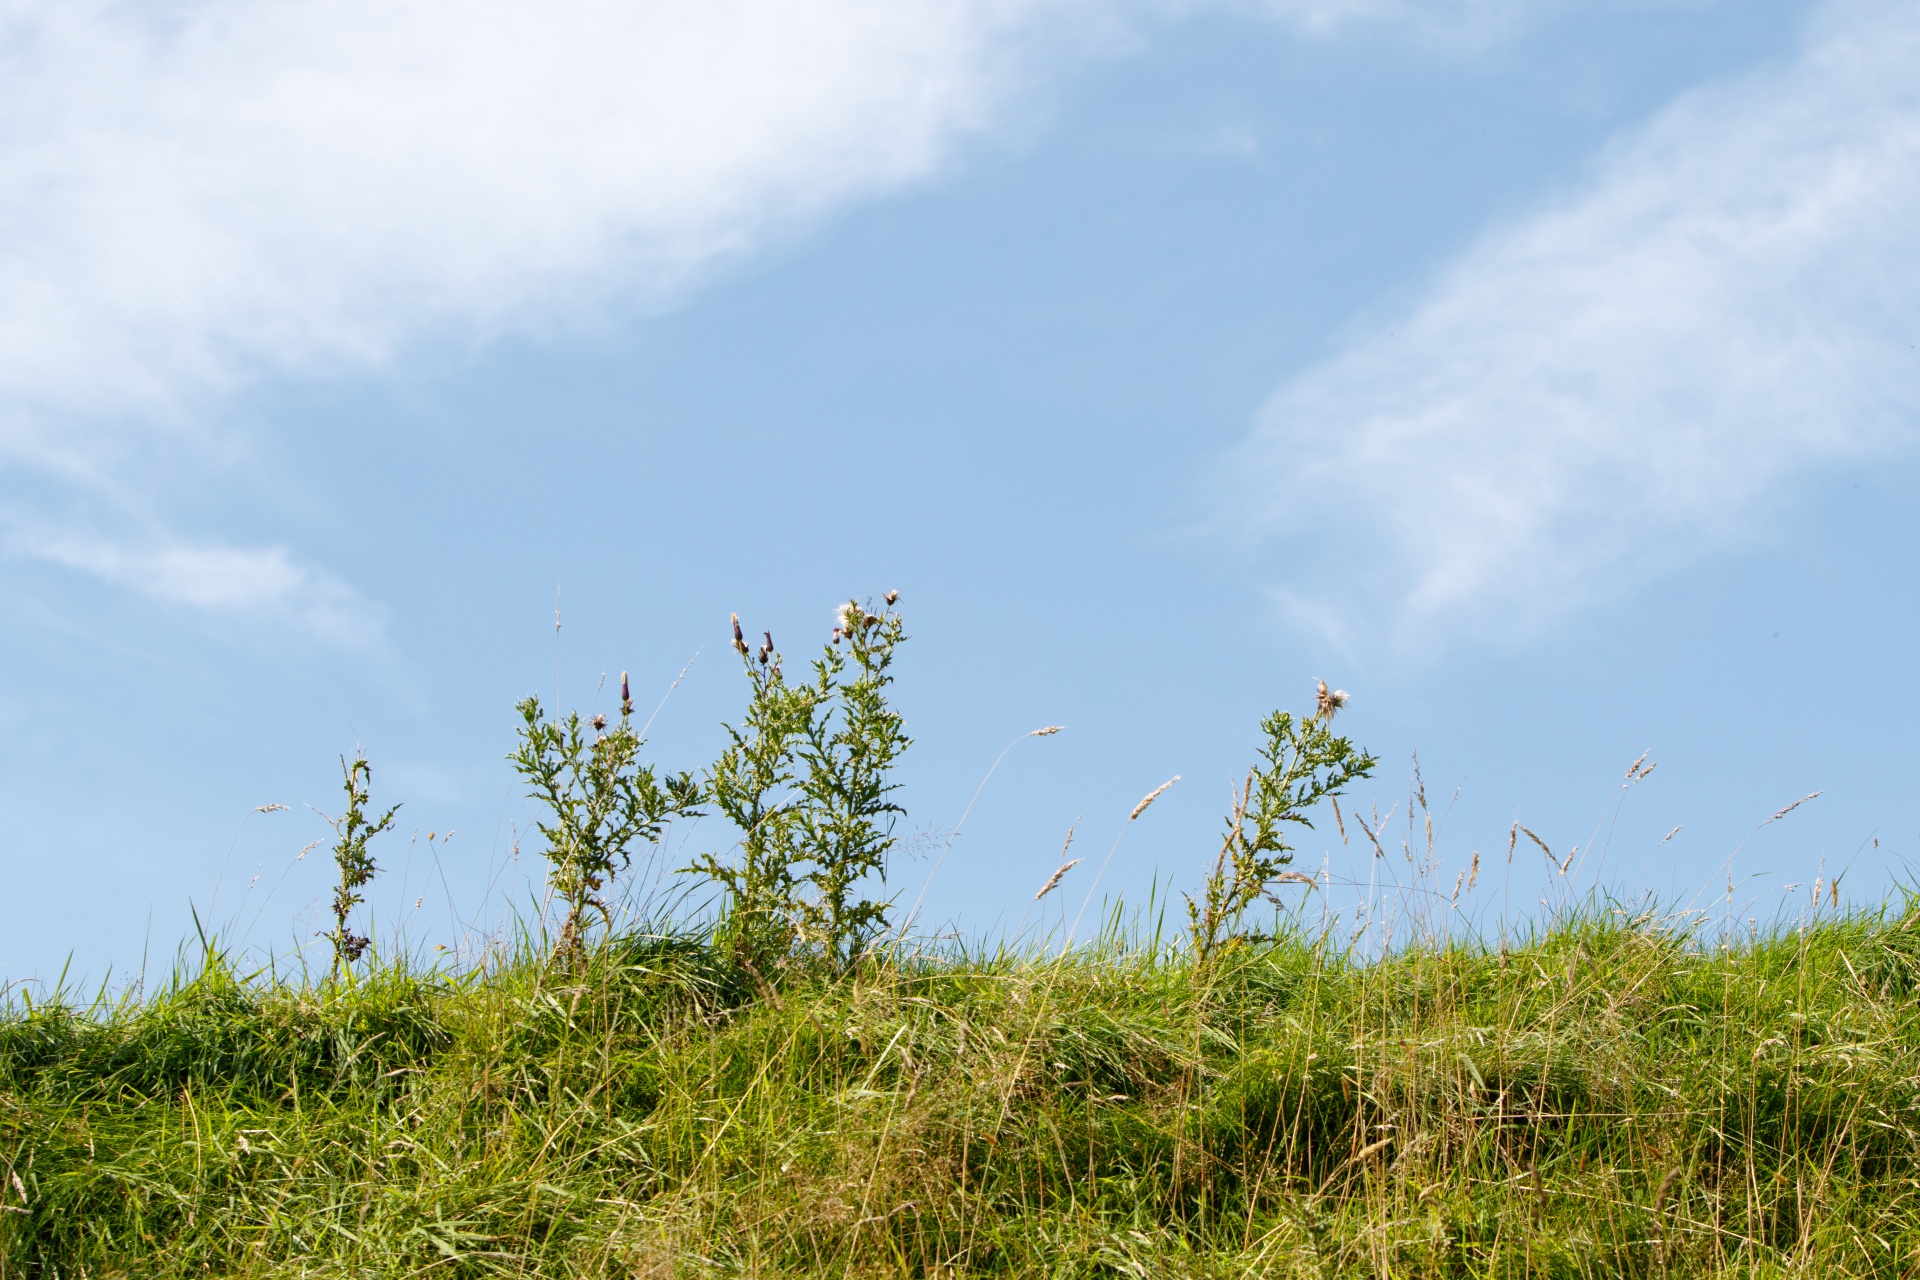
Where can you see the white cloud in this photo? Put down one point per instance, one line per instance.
(265, 583)
(199, 194)
(196, 192)
(1630, 376)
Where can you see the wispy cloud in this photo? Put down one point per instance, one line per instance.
(265, 584)
(202, 194)
(1626, 378)
(199, 192)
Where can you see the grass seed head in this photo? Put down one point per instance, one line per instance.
(1151, 796)
(1053, 880)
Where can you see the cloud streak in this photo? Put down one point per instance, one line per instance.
(209, 190)
(1628, 377)
(258, 583)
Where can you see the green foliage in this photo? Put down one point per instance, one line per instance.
(599, 800)
(1301, 763)
(806, 779)
(1604, 1098)
(353, 830)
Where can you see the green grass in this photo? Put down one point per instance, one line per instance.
(1606, 1098)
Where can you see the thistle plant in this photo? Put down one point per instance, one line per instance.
(1301, 763)
(354, 829)
(600, 799)
(806, 777)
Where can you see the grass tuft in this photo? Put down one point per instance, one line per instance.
(1606, 1097)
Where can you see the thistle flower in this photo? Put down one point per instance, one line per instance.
(1328, 701)
(626, 696)
(739, 639)
(599, 722)
(893, 598)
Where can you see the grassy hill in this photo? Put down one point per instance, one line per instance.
(789, 1089)
(1608, 1098)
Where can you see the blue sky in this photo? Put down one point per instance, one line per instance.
(1546, 374)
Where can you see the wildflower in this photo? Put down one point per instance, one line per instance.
(599, 722)
(893, 597)
(626, 696)
(1329, 701)
(739, 640)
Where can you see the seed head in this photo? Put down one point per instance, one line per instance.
(1328, 701)
(1054, 879)
(893, 598)
(599, 722)
(1151, 796)
(1047, 732)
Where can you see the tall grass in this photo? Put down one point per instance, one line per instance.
(1610, 1096)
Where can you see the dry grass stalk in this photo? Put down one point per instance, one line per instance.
(1151, 796)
